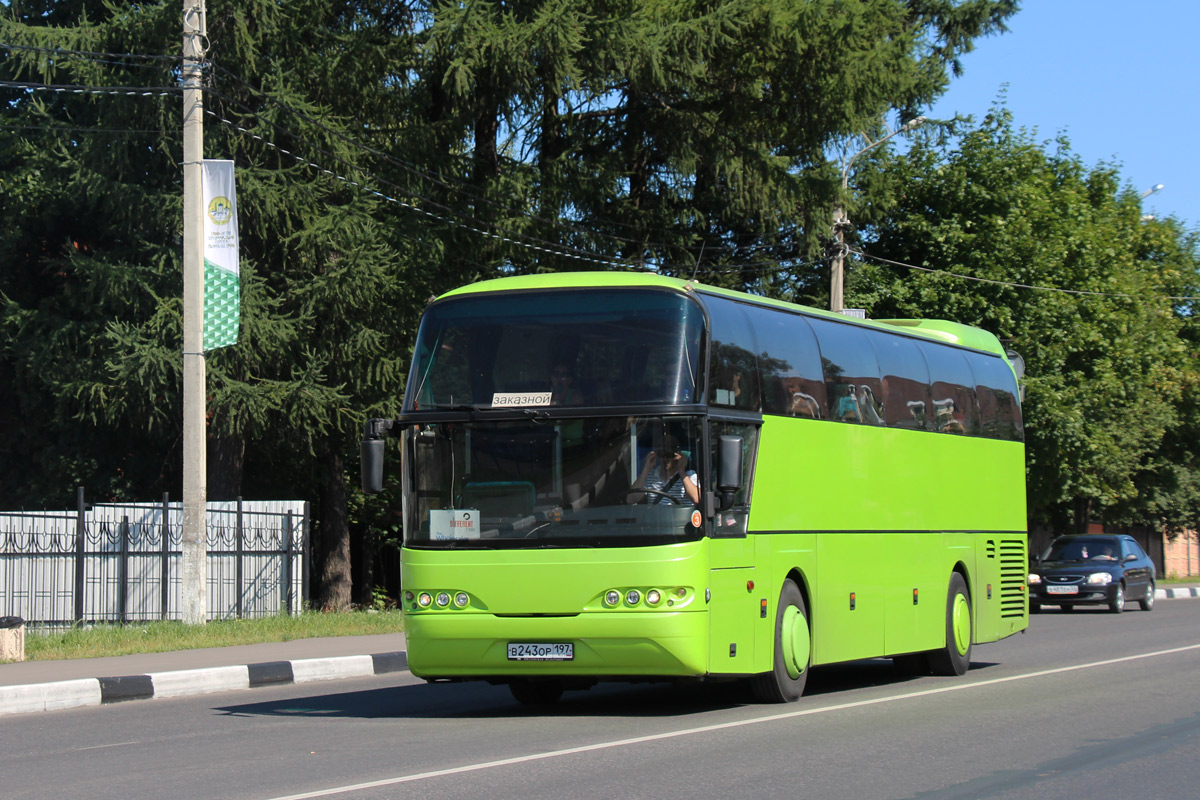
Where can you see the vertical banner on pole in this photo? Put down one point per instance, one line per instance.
(222, 293)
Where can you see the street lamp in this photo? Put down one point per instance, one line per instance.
(841, 221)
(1155, 189)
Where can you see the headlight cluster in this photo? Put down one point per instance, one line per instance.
(639, 597)
(447, 598)
(1099, 579)
(1034, 579)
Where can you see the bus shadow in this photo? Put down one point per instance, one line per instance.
(475, 700)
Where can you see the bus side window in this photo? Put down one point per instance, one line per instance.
(733, 369)
(851, 371)
(953, 390)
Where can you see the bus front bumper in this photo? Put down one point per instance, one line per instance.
(604, 644)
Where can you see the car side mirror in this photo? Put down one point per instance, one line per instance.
(1130, 557)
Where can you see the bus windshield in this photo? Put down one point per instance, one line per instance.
(602, 347)
(590, 482)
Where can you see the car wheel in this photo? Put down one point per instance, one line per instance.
(535, 692)
(793, 651)
(1035, 607)
(1117, 604)
(1147, 602)
(1067, 608)
(955, 657)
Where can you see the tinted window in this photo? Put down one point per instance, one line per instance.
(790, 364)
(733, 368)
(953, 390)
(574, 347)
(996, 388)
(853, 391)
(905, 382)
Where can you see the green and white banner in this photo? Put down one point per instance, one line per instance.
(222, 293)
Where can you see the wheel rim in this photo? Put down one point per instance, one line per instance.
(961, 620)
(1120, 601)
(1150, 595)
(795, 642)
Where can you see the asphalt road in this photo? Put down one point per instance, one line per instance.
(1085, 704)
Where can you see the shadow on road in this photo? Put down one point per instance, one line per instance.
(478, 700)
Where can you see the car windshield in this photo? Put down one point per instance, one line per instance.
(590, 482)
(1083, 550)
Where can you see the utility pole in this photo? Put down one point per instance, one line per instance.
(193, 566)
(841, 222)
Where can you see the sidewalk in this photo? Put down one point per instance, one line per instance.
(31, 686)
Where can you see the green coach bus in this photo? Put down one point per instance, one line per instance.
(622, 476)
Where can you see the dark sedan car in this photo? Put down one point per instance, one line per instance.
(1102, 569)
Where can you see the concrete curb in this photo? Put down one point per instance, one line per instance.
(179, 683)
(1171, 594)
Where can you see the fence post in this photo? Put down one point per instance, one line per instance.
(286, 566)
(80, 550)
(165, 590)
(240, 550)
(123, 572)
(306, 546)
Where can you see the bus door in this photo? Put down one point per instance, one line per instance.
(736, 587)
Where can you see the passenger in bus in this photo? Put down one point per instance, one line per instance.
(846, 409)
(563, 390)
(666, 471)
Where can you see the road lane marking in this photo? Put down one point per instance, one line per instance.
(589, 748)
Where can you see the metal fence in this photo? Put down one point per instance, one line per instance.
(120, 562)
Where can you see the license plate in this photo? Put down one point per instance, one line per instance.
(526, 651)
(1062, 590)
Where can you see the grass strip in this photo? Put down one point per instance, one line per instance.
(97, 641)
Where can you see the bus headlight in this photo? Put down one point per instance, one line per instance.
(653, 597)
(1099, 579)
(424, 599)
(443, 599)
(612, 598)
(633, 596)
(461, 599)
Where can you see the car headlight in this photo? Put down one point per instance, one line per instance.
(1034, 579)
(1099, 579)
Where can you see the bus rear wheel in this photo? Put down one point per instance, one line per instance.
(793, 651)
(955, 657)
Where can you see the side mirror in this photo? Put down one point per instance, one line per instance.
(1130, 557)
(371, 452)
(729, 468)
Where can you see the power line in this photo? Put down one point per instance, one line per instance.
(131, 91)
(90, 54)
(1081, 292)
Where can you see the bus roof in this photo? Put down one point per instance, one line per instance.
(939, 330)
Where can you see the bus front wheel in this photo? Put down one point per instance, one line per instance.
(793, 651)
(955, 657)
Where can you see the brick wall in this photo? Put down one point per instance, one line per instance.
(1182, 557)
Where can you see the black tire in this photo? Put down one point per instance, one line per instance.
(1117, 604)
(1035, 607)
(955, 657)
(536, 693)
(785, 683)
(1067, 608)
(1147, 602)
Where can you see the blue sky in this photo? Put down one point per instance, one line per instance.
(1120, 79)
